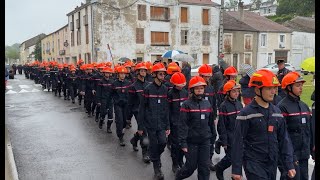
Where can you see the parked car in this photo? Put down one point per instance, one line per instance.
(306, 72)
(274, 67)
(194, 70)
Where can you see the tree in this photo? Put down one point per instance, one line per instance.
(38, 51)
(12, 52)
(297, 7)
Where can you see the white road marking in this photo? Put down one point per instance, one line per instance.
(24, 86)
(11, 92)
(38, 85)
(35, 90)
(9, 87)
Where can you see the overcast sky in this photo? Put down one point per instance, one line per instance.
(25, 19)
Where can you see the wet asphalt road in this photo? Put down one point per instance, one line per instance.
(54, 139)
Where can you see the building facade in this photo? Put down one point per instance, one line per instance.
(27, 48)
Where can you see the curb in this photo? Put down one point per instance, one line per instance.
(11, 172)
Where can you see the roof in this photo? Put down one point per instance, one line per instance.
(232, 23)
(76, 9)
(259, 23)
(301, 24)
(33, 41)
(199, 2)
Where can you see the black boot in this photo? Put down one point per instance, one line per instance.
(121, 141)
(134, 141)
(219, 172)
(175, 167)
(65, 98)
(73, 101)
(101, 122)
(157, 170)
(128, 126)
(212, 166)
(89, 114)
(59, 94)
(96, 118)
(109, 126)
(217, 146)
(145, 155)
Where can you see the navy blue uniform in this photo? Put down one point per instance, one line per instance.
(87, 87)
(260, 137)
(196, 128)
(298, 120)
(104, 90)
(280, 74)
(72, 84)
(176, 98)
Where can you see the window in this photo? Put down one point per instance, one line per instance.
(205, 38)
(72, 38)
(87, 34)
(227, 42)
(184, 15)
(159, 13)
(248, 42)
(269, 58)
(184, 37)
(142, 15)
(159, 38)
(247, 57)
(282, 40)
(52, 46)
(205, 16)
(263, 40)
(79, 37)
(58, 44)
(205, 59)
(139, 35)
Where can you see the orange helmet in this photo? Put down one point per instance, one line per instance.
(60, 66)
(127, 64)
(291, 78)
(263, 78)
(140, 66)
(230, 71)
(122, 69)
(89, 66)
(83, 67)
(149, 65)
(158, 67)
(65, 65)
(80, 61)
(197, 81)
(205, 70)
(100, 66)
(231, 84)
(172, 68)
(73, 69)
(107, 70)
(178, 79)
(109, 64)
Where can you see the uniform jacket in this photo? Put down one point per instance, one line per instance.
(228, 112)
(104, 90)
(120, 92)
(259, 138)
(176, 98)
(246, 91)
(136, 94)
(87, 83)
(195, 123)
(298, 120)
(153, 110)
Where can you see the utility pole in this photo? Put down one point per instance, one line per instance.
(221, 28)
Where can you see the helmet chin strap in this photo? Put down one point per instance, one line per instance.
(198, 97)
(290, 90)
(261, 95)
(228, 94)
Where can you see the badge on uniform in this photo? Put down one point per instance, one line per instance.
(303, 120)
(206, 98)
(203, 116)
(122, 90)
(270, 129)
(159, 101)
(181, 103)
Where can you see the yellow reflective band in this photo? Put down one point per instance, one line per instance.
(275, 80)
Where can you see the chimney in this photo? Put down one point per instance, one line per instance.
(240, 9)
(87, 1)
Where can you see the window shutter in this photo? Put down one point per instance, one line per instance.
(184, 15)
(205, 16)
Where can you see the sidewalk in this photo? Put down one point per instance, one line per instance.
(10, 166)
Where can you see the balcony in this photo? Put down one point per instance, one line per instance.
(71, 26)
(85, 20)
(78, 23)
(62, 52)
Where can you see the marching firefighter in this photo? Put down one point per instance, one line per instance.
(87, 89)
(172, 68)
(230, 73)
(59, 80)
(195, 130)
(104, 99)
(81, 74)
(297, 116)
(65, 90)
(154, 117)
(96, 78)
(176, 96)
(149, 77)
(205, 71)
(260, 135)
(72, 84)
(46, 80)
(130, 78)
(120, 99)
(228, 111)
(135, 96)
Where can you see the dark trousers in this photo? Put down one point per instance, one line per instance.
(260, 171)
(73, 91)
(197, 157)
(225, 162)
(157, 143)
(301, 171)
(88, 100)
(65, 90)
(94, 103)
(176, 152)
(106, 108)
(120, 112)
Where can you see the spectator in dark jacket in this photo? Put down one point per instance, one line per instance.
(186, 71)
(217, 78)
